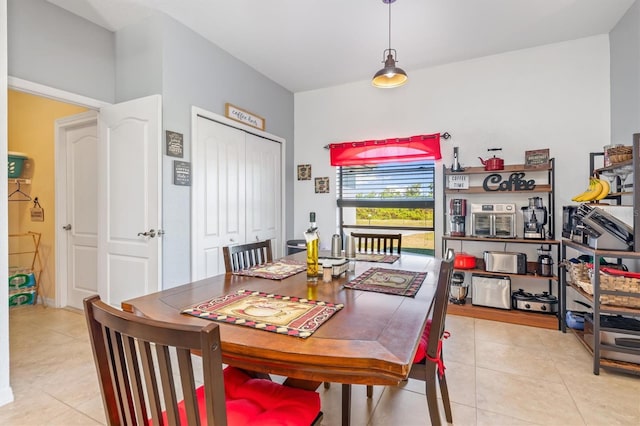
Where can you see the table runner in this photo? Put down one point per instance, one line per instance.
(293, 316)
(278, 270)
(391, 281)
(377, 257)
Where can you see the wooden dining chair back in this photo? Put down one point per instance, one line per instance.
(244, 256)
(431, 368)
(136, 374)
(377, 243)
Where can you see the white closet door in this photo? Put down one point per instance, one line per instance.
(263, 193)
(220, 200)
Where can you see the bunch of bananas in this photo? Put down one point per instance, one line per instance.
(598, 189)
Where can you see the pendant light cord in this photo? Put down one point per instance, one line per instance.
(390, 26)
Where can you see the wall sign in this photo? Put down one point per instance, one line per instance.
(181, 173)
(458, 181)
(246, 117)
(515, 182)
(536, 159)
(175, 144)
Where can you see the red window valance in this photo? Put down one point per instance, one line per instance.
(415, 148)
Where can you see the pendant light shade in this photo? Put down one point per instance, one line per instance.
(389, 76)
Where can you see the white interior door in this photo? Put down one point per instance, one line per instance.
(77, 218)
(129, 199)
(263, 193)
(220, 186)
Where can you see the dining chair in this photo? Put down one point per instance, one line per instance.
(244, 256)
(377, 243)
(135, 359)
(428, 364)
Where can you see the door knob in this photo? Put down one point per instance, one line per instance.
(67, 227)
(150, 233)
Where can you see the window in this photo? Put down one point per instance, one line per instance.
(389, 197)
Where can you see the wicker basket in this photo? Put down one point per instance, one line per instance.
(619, 154)
(580, 275)
(620, 283)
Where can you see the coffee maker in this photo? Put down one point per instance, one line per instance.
(457, 217)
(535, 218)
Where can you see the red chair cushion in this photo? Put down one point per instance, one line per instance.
(260, 402)
(421, 353)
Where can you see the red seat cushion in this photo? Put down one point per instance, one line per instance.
(260, 402)
(421, 353)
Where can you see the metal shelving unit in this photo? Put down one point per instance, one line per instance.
(597, 347)
(518, 317)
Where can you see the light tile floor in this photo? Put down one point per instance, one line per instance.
(498, 374)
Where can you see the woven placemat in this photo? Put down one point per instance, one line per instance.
(293, 316)
(390, 281)
(278, 270)
(377, 257)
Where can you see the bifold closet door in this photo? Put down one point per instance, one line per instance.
(263, 191)
(237, 190)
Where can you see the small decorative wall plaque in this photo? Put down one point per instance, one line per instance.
(175, 144)
(536, 159)
(322, 185)
(304, 171)
(181, 173)
(246, 117)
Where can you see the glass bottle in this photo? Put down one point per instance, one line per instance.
(312, 239)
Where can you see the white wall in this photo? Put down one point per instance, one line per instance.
(6, 395)
(555, 96)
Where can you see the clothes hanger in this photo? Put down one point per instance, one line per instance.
(22, 195)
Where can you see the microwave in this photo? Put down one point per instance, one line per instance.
(493, 220)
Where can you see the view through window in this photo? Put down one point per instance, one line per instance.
(394, 198)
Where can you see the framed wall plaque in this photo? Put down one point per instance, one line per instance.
(304, 171)
(175, 144)
(181, 173)
(322, 185)
(536, 159)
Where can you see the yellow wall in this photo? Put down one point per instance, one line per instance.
(31, 121)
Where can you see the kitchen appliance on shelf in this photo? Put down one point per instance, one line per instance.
(491, 291)
(496, 220)
(493, 163)
(543, 302)
(571, 225)
(505, 262)
(457, 217)
(605, 231)
(545, 262)
(535, 218)
(459, 290)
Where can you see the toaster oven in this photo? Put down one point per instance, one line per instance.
(493, 220)
(505, 262)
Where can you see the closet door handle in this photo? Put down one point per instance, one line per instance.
(67, 227)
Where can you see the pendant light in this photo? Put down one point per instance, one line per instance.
(389, 76)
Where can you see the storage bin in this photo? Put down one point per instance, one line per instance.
(15, 163)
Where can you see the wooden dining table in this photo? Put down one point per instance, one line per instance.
(370, 341)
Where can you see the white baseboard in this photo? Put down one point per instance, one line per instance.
(6, 396)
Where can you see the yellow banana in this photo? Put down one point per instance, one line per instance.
(597, 189)
(586, 194)
(605, 189)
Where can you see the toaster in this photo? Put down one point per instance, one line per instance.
(505, 262)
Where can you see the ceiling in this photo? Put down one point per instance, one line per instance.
(310, 44)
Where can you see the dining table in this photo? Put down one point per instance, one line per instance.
(371, 340)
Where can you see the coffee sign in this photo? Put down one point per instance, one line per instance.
(515, 182)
